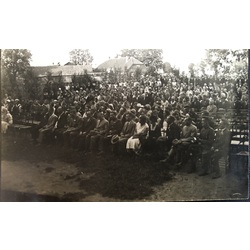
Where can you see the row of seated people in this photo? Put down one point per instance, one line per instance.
(92, 133)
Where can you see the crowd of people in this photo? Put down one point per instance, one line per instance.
(172, 120)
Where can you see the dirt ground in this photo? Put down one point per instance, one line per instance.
(54, 173)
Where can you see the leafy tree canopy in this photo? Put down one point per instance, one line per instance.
(150, 57)
(80, 56)
(226, 62)
(16, 62)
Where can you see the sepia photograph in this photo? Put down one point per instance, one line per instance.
(124, 125)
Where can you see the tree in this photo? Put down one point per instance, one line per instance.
(150, 57)
(226, 62)
(80, 57)
(32, 87)
(138, 73)
(167, 67)
(191, 69)
(16, 63)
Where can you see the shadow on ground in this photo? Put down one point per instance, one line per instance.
(15, 196)
(112, 177)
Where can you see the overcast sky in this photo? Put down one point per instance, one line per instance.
(178, 57)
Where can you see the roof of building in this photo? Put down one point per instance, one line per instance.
(67, 70)
(122, 63)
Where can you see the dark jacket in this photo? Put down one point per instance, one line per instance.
(62, 121)
(88, 124)
(128, 129)
(173, 132)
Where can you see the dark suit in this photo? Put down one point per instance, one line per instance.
(128, 129)
(221, 149)
(207, 137)
(87, 125)
(60, 126)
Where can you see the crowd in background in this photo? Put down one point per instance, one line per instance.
(151, 116)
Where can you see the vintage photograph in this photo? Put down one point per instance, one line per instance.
(126, 125)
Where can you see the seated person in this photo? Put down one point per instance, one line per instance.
(211, 108)
(134, 143)
(115, 126)
(154, 133)
(61, 124)
(43, 120)
(173, 132)
(180, 147)
(89, 123)
(100, 130)
(119, 141)
(48, 129)
(73, 130)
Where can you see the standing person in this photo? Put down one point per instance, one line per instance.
(16, 110)
(6, 119)
(206, 140)
(221, 147)
(134, 143)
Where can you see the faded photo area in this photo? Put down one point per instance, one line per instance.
(128, 125)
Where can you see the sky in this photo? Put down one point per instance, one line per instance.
(176, 57)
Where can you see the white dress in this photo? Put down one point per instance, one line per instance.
(6, 120)
(134, 143)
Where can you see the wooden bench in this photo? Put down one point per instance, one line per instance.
(19, 129)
